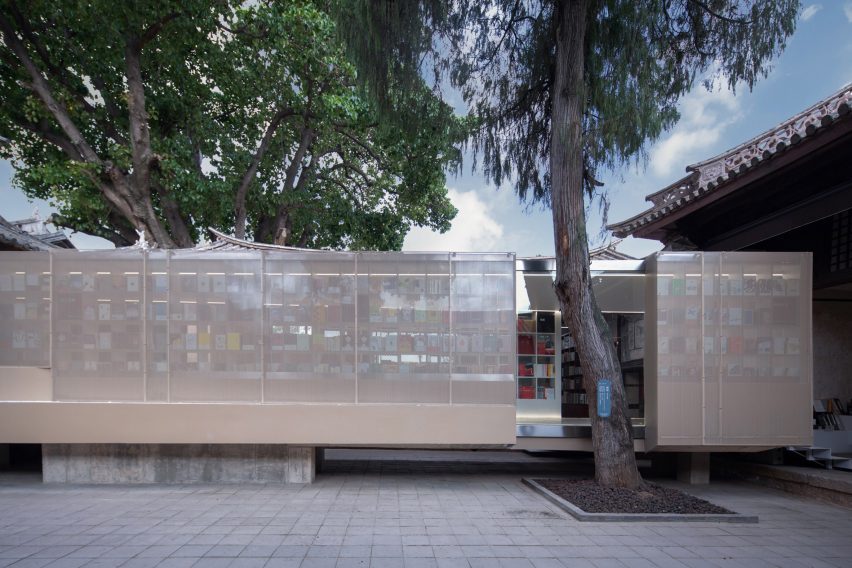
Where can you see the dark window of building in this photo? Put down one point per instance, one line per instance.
(841, 242)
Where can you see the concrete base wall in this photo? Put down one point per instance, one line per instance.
(178, 463)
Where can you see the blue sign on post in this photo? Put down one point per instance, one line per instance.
(604, 398)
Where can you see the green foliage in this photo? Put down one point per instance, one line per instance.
(641, 57)
(336, 173)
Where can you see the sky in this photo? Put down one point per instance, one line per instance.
(816, 63)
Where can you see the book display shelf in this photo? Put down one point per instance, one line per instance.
(270, 326)
(157, 325)
(483, 323)
(97, 331)
(404, 343)
(25, 310)
(574, 398)
(310, 328)
(732, 335)
(538, 374)
(215, 326)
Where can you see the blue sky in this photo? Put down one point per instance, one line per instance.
(817, 62)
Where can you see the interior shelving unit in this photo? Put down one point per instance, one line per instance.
(25, 311)
(539, 365)
(574, 398)
(728, 360)
(97, 327)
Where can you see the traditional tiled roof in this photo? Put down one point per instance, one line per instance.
(13, 237)
(608, 252)
(708, 176)
(223, 242)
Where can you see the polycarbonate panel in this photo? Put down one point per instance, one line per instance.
(215, 328)
(98, 339)
(619, 292)
(765, 333)
(404, 341)
(483, 325)
(309, 327)
(157, 325)
(25, 309)
(732, 364)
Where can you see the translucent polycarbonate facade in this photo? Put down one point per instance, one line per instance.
(25, 309)
(263, 326)
(728, 348)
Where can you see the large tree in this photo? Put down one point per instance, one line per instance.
(170, 117)
(561, 90)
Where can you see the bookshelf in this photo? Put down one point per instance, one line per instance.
(538, 374)
(97, 328)
(731, 335)
(25, 310)
(483, 323)
(191, 325)
(574, 397)
(214, 326)
(310, 328)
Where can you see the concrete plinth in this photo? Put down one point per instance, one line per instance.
(178, 463)
(693, 468)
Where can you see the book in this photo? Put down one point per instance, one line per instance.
(391, 342)
(735, 287)
(234, 341)
(792, 286)
(692, 286)
(104, 340)
(793, 346)
(735, 316)
(778, 286)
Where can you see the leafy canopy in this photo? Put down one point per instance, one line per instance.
(255, 125)
(640, 58)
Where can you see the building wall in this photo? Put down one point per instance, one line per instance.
(832, 350)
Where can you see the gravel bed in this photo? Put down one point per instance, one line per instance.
(650, 498)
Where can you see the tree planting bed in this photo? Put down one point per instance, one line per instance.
(585, 500)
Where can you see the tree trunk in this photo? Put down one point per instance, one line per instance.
(612, 439)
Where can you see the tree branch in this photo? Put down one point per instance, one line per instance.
(250, 173)
(171, 210)
(42, 89)
(719, 16)
(155, 28)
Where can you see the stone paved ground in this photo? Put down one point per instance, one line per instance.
(470, 512)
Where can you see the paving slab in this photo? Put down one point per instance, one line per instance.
(381, 510)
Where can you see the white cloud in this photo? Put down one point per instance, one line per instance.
(473, 229)
(704, 117)
(847, 9)
(810, 11)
